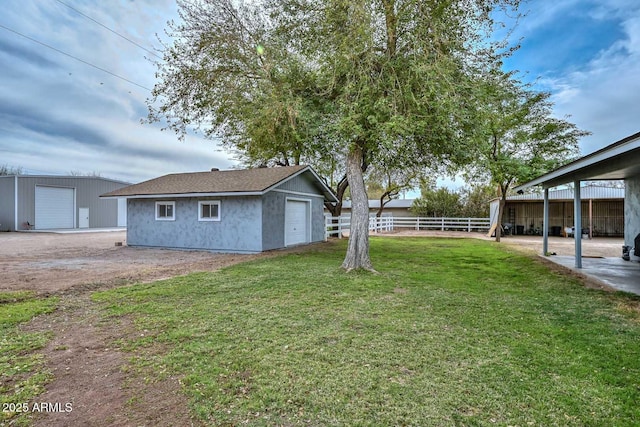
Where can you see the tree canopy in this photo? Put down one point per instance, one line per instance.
(310, 79)
(518, 138)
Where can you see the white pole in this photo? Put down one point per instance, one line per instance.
(545, 224)
(577, 225)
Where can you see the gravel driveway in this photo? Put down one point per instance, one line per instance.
(51, 262)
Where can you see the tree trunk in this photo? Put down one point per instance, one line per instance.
(382, 203)
(358, 249)
(336, 210)
(501, 204)
(391, 24)
(502, 188)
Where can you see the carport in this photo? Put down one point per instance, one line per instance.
(618, 161)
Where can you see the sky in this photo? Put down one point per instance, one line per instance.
(63, 111)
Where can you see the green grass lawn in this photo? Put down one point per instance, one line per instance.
(451, 332)
(22, 369)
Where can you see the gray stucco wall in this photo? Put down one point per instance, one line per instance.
(247, 224)
(304, 183)
(273, 216)
(273, 204)
(7, 203)
(301, 187)
(273, 209)
(631, 210)
(318, 231)
(239, 228)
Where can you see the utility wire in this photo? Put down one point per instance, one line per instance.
(113, 31)
(75, 57)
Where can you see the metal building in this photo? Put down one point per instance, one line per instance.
(397, 208)
(59, 202)
(618, 161)
(602, 212)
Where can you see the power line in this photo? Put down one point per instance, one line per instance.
(75, 57)
(113, 31)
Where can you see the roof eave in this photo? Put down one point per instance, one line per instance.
(578, 169)
(183, 195)
(327, 192)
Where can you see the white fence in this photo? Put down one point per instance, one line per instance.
(335, 226)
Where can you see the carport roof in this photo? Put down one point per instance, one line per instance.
(593, 192)
(619, 160)
(254, 181)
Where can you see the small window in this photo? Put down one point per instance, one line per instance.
(165, 211)
(209, 211)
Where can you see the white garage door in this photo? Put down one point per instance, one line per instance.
(296, 229)
(54, 208)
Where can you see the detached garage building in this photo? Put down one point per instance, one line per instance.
(54, 202)
(241, 211)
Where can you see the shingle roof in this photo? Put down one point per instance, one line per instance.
(256, 180)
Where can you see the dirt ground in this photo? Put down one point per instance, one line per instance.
(51, 262)
(90, 371)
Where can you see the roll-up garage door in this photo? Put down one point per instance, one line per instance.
(54, 207)
(297, 223)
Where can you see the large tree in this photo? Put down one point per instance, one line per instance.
(519, 138)
(304, 78)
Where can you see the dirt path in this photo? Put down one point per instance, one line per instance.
(91, 378)
(93, 382)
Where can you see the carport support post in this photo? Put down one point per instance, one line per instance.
(577, 224)
(545, 224)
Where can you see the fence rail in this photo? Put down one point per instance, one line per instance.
(335, 226)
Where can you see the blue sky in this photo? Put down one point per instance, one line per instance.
(59, 115)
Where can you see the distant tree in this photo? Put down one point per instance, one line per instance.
(437, 202)
(607, 184)
(519, 138)
(393, 185)
(475, 200)
(94, 174)
(11, 170)
(388, 178)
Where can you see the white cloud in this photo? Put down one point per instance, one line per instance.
(601, 96)
(58, 114)
(539, 13)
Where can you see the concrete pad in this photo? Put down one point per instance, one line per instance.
(614, 272)
(76, 230)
